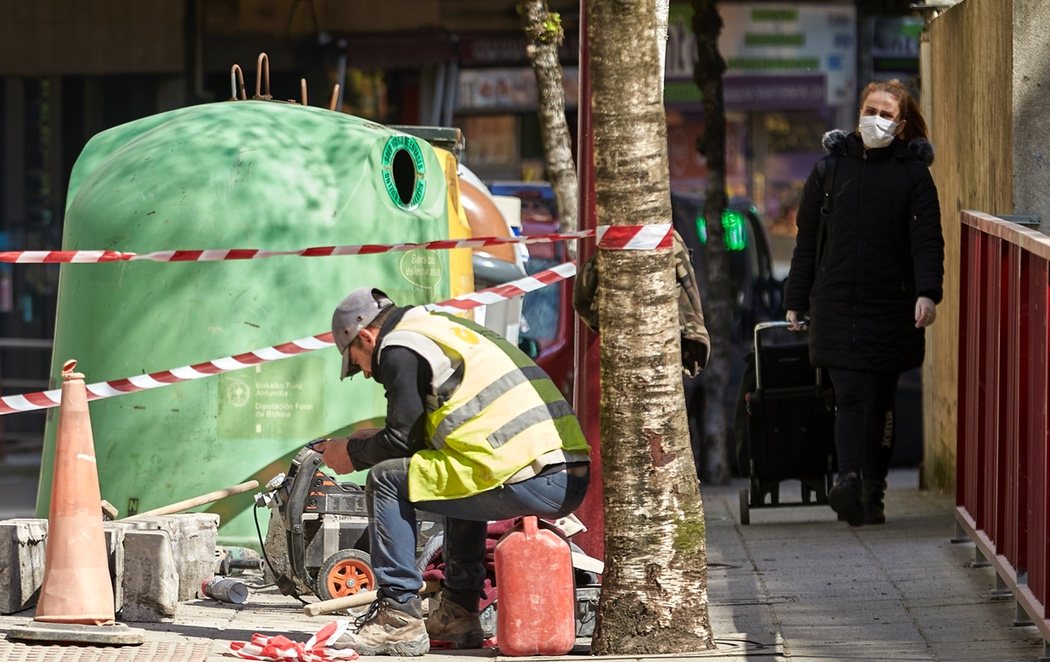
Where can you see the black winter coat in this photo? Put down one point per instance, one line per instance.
(882, 249)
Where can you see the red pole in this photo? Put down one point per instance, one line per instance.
(587, 389)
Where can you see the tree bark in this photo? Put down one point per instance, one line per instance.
(718, 304)
(654, 590)
(544, 34)
(663, 7)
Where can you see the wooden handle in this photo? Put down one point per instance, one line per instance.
(356, 600)
(180, 506)
(337, 604)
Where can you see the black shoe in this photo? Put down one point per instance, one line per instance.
(872, 495)
(845, 499)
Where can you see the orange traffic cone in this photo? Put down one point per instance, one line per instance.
(76, 598)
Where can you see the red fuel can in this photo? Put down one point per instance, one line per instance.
(536, 609)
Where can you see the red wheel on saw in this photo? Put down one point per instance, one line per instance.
(344, 573)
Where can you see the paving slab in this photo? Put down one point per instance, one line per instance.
(984, 651)
(794, 585)
(847, 612)
(863, 651)
(901, 591)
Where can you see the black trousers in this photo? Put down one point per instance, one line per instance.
(864, 421)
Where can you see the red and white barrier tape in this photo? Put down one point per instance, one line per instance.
(278, 648)
(624, 237)
(635, 237)
(46, 399)
(88, 257)
(514, 288)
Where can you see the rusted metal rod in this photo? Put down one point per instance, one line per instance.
(237, 84)
(262, 75)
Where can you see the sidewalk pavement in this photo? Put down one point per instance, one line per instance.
(795, 584)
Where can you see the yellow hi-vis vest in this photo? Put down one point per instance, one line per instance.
(490, 414)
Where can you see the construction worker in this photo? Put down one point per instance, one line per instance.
(474, 431)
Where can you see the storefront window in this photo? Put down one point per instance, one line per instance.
(492, 145)
(791, 143)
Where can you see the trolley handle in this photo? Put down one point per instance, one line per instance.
(757, 345)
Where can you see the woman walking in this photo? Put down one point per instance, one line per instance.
(867, 270)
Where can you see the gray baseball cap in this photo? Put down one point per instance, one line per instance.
(354, 313)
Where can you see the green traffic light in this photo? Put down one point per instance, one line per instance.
(734, 231)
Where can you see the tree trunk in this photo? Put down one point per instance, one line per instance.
(654, 590)
(544, 34)
(663, 7)
(718, 304)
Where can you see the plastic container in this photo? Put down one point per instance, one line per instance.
(245, 174)
(225, 590)
(536, 611)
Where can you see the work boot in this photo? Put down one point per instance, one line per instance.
(454, 618)
(845, 499)
(389, 627)
(872, 494)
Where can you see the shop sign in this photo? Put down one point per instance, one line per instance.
(893, 46)
(774, 93)
(512, 89)
(485, 49)
(775, 40)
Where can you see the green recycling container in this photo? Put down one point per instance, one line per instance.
(240, 174)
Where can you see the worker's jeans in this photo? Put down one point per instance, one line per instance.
(393, 530)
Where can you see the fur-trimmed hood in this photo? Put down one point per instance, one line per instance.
(919, 149)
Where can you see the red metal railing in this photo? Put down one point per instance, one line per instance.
(1001, 460)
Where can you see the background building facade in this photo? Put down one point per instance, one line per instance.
(72, 68)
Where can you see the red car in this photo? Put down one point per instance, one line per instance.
(547, 316)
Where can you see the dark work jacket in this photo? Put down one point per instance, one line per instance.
(405, 377)
(883, 248)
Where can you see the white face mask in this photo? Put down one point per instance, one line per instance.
(877, 131)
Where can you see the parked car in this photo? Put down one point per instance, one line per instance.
(757, 292)
(757, 296)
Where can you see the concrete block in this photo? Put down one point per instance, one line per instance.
(22, 545)
(150, 584)
(115, 555)
(193, 540)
